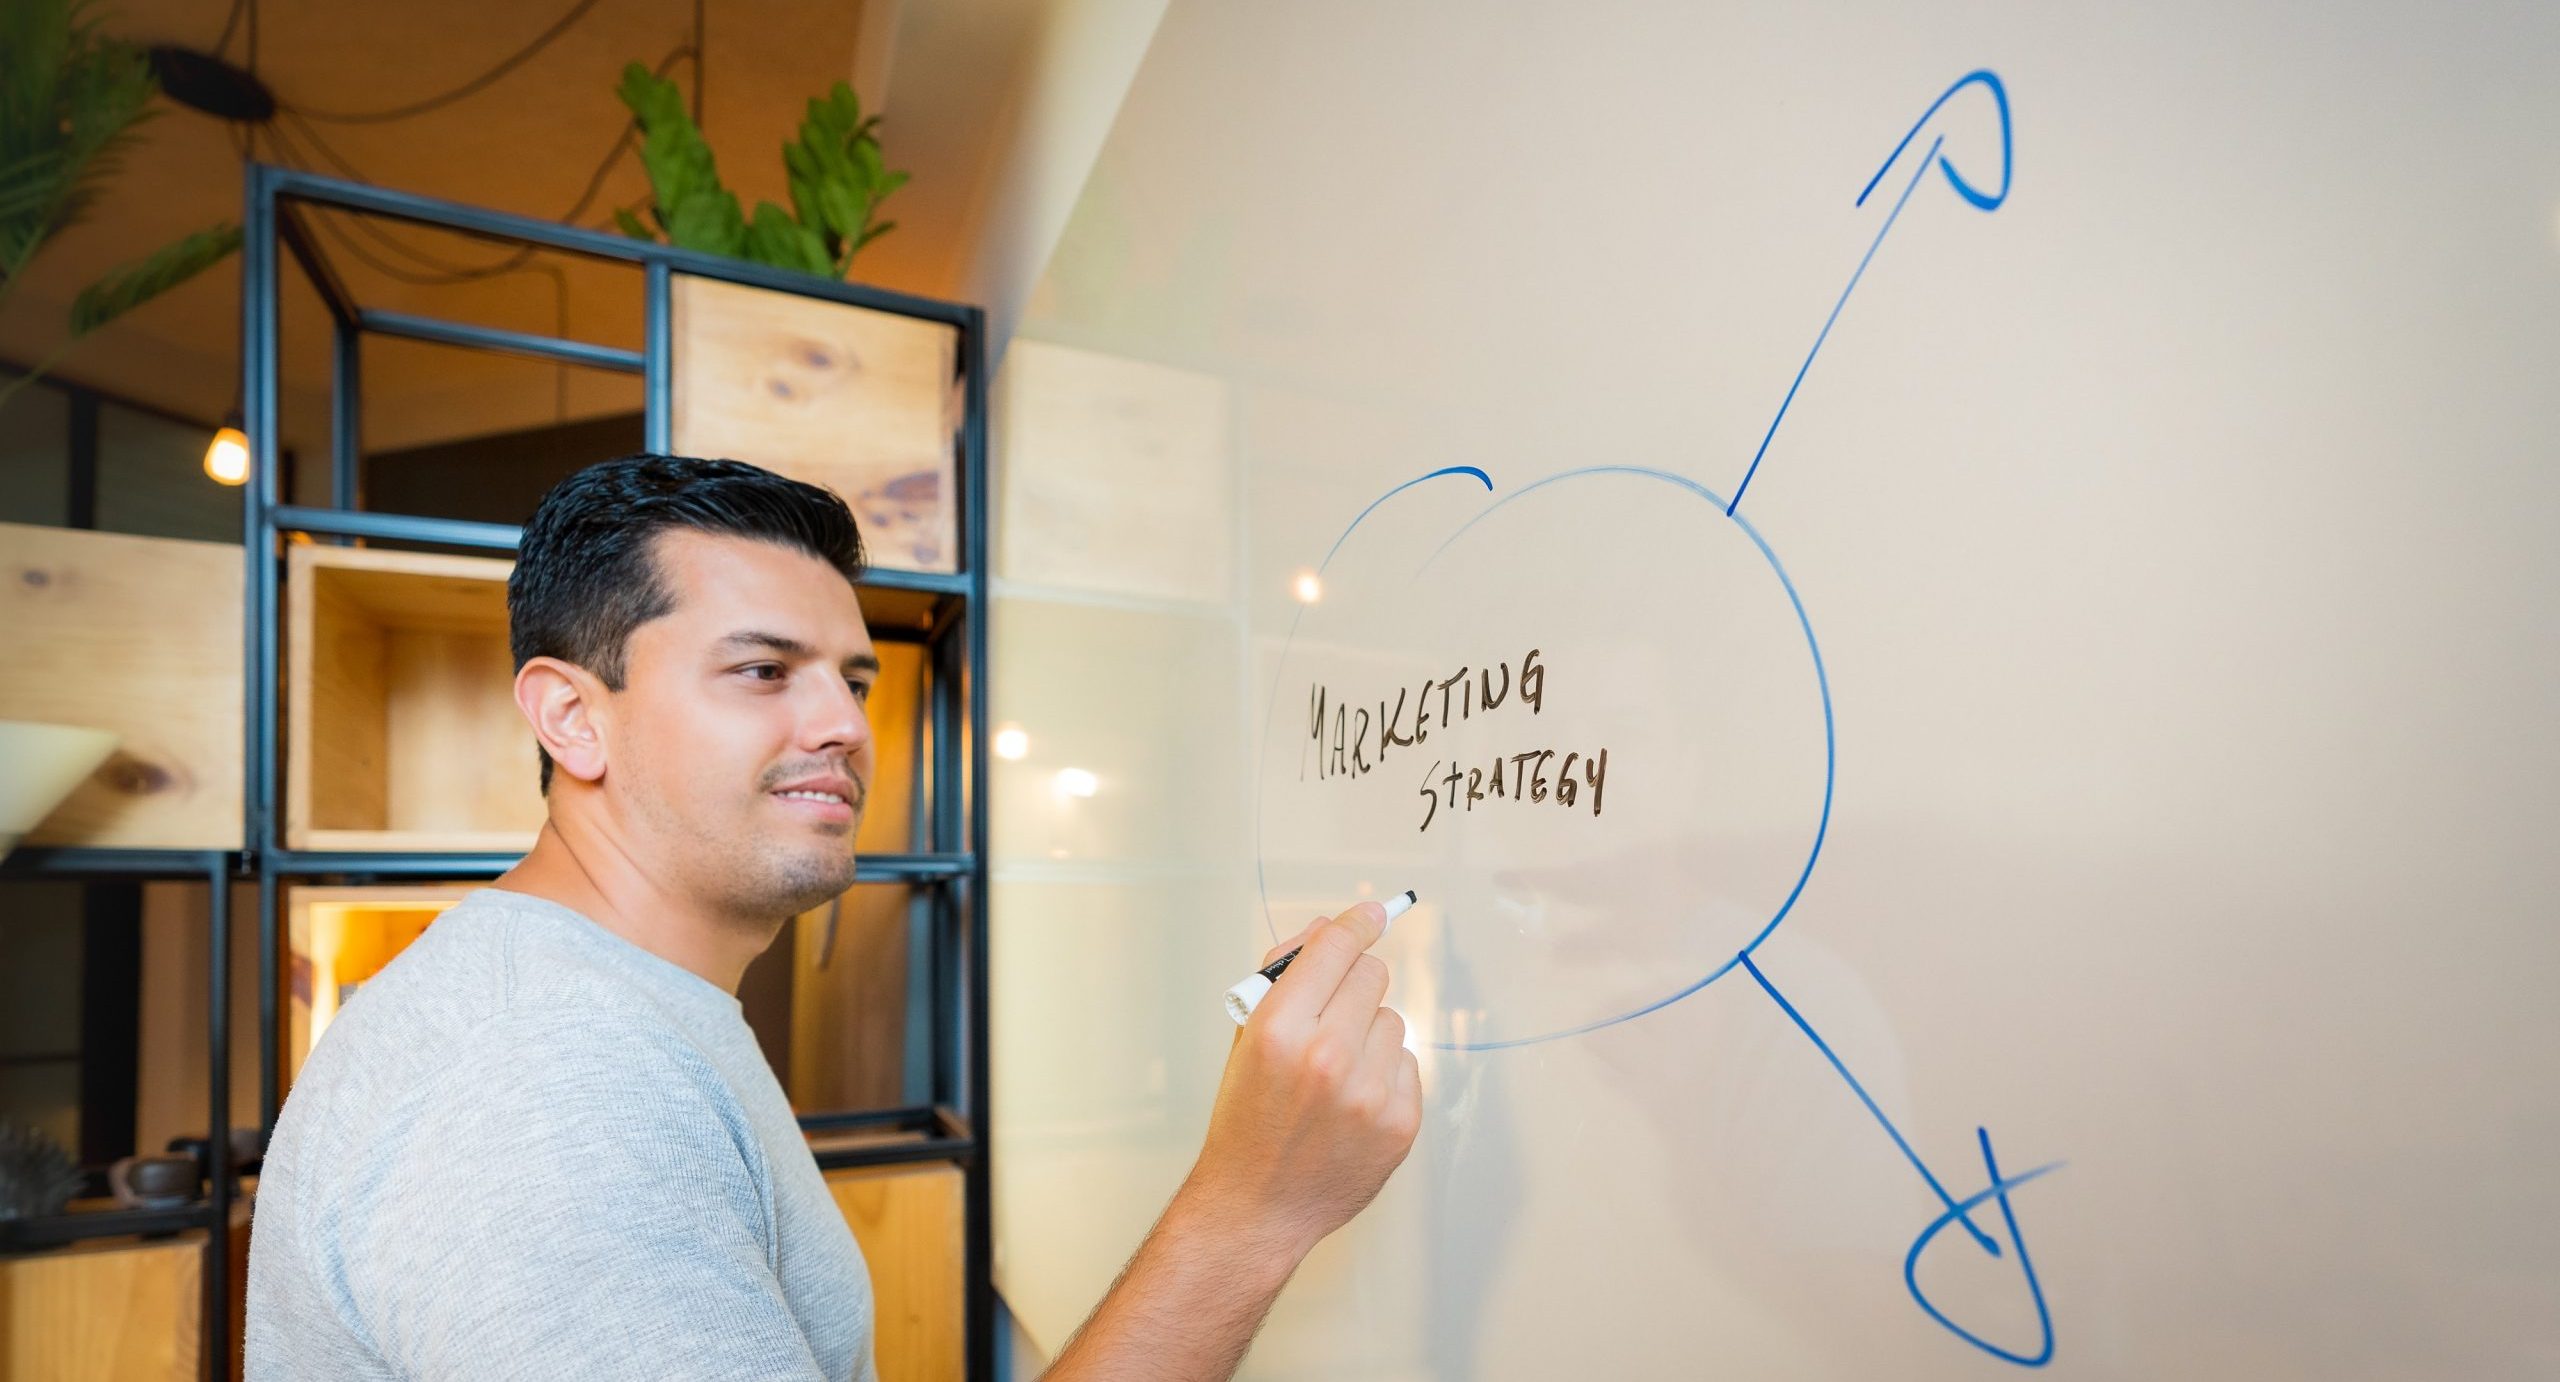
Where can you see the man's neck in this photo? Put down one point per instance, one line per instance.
(593, 875)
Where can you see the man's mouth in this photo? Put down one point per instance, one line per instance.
(829, 798)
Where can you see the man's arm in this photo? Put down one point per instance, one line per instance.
(1319, 1103)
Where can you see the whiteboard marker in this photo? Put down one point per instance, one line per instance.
(1245, 995)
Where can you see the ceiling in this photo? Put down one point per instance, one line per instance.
(528, 142)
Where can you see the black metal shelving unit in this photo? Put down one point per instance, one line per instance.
(217, 868)
(949, 872)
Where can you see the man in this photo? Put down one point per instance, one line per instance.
(543, 1143)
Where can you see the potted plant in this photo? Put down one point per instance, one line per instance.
(861, 401)
(838, 181)
(70, 101)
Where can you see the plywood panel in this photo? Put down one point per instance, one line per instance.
(141, 636)
(334, 686)
(849, 1003)
(908, 1220)
(897, 701)
(462, 756)
(103, 1312)
(169, 1094)
(865, 403)
(418, 590)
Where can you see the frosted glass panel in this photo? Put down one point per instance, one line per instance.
(2047, 513)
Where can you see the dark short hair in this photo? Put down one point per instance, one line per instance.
(585, 578)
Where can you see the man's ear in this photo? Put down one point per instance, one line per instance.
(565, 704)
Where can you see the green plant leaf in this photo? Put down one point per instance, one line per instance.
(684, 180)
(804, 180)
(137, 283)
(631, 225)
(833, 170)
(708, 221)
(846, 209)
(29, 184)
(839, 111)
(775, 238)
(69, 101)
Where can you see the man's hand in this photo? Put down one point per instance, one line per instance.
(1319, 1104)
(1320, 1101)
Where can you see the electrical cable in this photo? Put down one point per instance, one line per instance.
(309, 140)
(439, 272)
(222, 45)
(306, 145)
(442, 99)
(252, 65)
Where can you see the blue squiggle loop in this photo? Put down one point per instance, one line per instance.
(2026, 1266)
(1956, 180)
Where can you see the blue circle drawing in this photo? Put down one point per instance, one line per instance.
(1822, 681)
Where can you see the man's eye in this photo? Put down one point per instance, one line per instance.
(861, 690)
(764, 671)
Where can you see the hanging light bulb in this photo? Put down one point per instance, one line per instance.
(227, 458)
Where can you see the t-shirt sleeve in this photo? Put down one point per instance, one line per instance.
(577, 1197)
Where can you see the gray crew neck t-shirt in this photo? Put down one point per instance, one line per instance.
(531, 1149)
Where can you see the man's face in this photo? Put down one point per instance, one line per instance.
(742, 739)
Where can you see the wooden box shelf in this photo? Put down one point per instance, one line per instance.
(400, 717)
(117, 1308)
(139, 635)
(910, 1222)
(864, 402)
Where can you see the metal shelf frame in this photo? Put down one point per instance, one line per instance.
(950, 877)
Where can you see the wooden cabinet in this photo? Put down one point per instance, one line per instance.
(139, 635)
(115, 1309)
(400, 719)
(864, 402)
(909, 1221)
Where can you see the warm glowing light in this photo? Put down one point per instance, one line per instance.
(1309, 589)
(227, 459)
(1076, 782)
(1011, 742)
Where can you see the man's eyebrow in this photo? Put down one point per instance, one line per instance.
(786, 646)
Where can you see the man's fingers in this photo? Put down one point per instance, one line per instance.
(1308, 985)
(1290, 944)
(1386, 1038)
(1355, 1001)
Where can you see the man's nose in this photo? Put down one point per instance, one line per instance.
(840, 721)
